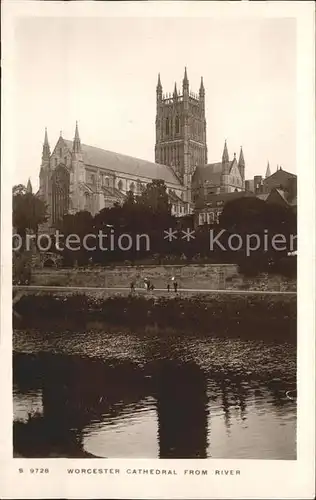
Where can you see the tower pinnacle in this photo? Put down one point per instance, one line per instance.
(185, 83)
(241, 166)
(241, 161)
(268, 171)
(202, 86)
(46, 148)
(76, 144)
(159, 86)
(225, 156)
(29, 188)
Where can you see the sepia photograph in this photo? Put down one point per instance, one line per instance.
(154, 251)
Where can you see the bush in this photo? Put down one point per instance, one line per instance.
(22, 273)
(251, 316)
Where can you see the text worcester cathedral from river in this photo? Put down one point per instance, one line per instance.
(78, 177)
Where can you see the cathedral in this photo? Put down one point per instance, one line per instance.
(76, 176)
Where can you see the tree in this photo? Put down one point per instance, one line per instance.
(18, 189)
(130, 200)
(269, 226)
(155, 198)
(80, 224)
(29, 211)
(243, 214)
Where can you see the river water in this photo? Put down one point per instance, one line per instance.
(105, 393)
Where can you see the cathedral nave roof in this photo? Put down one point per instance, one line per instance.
(124, 164)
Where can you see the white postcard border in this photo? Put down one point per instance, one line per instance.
(258, 478)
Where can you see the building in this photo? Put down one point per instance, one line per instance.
(279, 187)
(77, 176)
(209, 212)
(181, 131)
(225, 176)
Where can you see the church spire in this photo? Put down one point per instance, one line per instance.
(46, 148)
(241, 161)
(185, 83)
(159, 86)
(268, 171)
(202, 94)
(175, 91)
(159, 89)
(29, 188)
(225, 156)
(241, 166)
(76, 144)
(202, 90)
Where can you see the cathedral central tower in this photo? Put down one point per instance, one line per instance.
(181, 130)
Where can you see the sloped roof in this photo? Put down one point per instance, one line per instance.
(174, 198)
(215, 199)
(280, 174)
(210, 173)
(84, 187)
(262, 196)
(277, 192)
(109, 191)
(232, 163)
(117, 162)
(281, 193)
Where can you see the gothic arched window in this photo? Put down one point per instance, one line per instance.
(132, 187)
(177, 125)
(120, 185)
(86, 201)
(167, 126)
(60, 193)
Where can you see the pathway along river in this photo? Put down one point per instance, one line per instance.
(107, 393)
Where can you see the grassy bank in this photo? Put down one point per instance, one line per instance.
(251, 316)
(207, 277)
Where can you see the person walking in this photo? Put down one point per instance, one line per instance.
(168, 287)
(132, 287)
(175, 284)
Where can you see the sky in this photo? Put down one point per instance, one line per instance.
(103, 72)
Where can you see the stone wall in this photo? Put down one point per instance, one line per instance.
(199, 276)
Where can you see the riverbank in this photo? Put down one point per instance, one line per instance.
(189, 276)
(270, 317)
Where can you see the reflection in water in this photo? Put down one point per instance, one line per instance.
(78, 406)
(26, 404)
(121, 437)
(180, 390)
